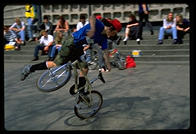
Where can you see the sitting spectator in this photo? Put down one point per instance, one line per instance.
(182, 26)
(58, 44)
(132, 29)
(82, 22)
(10, 36)
(46, 25)
(62, 26)
(169, 27)
(46, 43)
(19, 28)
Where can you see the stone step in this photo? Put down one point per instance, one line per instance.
(159, 52)
(163, 58)
(154, 57)
(152, 47)
(155, 42)
(23, 57)
(163, 62)
(137, 62)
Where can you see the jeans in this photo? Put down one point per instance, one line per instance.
(86, 57)
(29, 28)
(41, 47)
(21, 34)
(100, 55)
(53, 51)
(172, 31)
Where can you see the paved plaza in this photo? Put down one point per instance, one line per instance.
(148, 97)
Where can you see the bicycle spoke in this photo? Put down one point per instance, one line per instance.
(61, 74)
(47, 82)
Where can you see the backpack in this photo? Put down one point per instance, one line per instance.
(130, 63)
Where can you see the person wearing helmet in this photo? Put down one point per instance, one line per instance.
(72, 48)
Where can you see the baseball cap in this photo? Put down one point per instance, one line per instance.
(116, 24)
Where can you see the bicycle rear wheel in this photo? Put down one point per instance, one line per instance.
(48, 82)
(90, 106)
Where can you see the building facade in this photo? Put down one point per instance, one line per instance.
(72, 12)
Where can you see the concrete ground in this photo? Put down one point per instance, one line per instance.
(148, 97)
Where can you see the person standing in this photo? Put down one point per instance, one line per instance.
(144, 14)
(30, 14)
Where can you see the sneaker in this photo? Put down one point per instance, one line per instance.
(138, 41)
(175, 41)
(160, 42)
(91, 63)
(125, 42)
(25, 72)
(125, 39)
(30, 40)
(22, 43)
(35, 59)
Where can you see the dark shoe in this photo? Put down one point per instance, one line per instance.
(25, 72)
(175, 41)
(72, 90)
(160, 42)
(118, 40)
(152, 32)
(50, 59)
(180, 41)
(35, 59)
(125, 42)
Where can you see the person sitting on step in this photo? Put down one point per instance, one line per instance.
(169, 27)
(58, 44)
(46, 42)
(182, 26)
(132, 29)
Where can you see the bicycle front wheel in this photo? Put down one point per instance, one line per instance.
(48, 82)
(89, 105)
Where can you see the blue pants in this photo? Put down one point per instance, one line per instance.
(21, 34)
(41, 47)
(29, 27)
(172, 31)
(86, 57)
(53, 51)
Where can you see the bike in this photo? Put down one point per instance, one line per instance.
(88, 103)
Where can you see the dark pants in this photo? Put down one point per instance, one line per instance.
(180, 34)
(145, 17)
(134, 32)
(41, 47)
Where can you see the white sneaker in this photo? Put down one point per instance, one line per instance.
(125, 39)
(138, 40)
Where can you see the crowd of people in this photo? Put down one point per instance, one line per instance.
(51, 39)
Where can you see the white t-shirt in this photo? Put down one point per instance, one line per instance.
(80, 25)
(15, 25)
(47, 40)
(166, 23)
